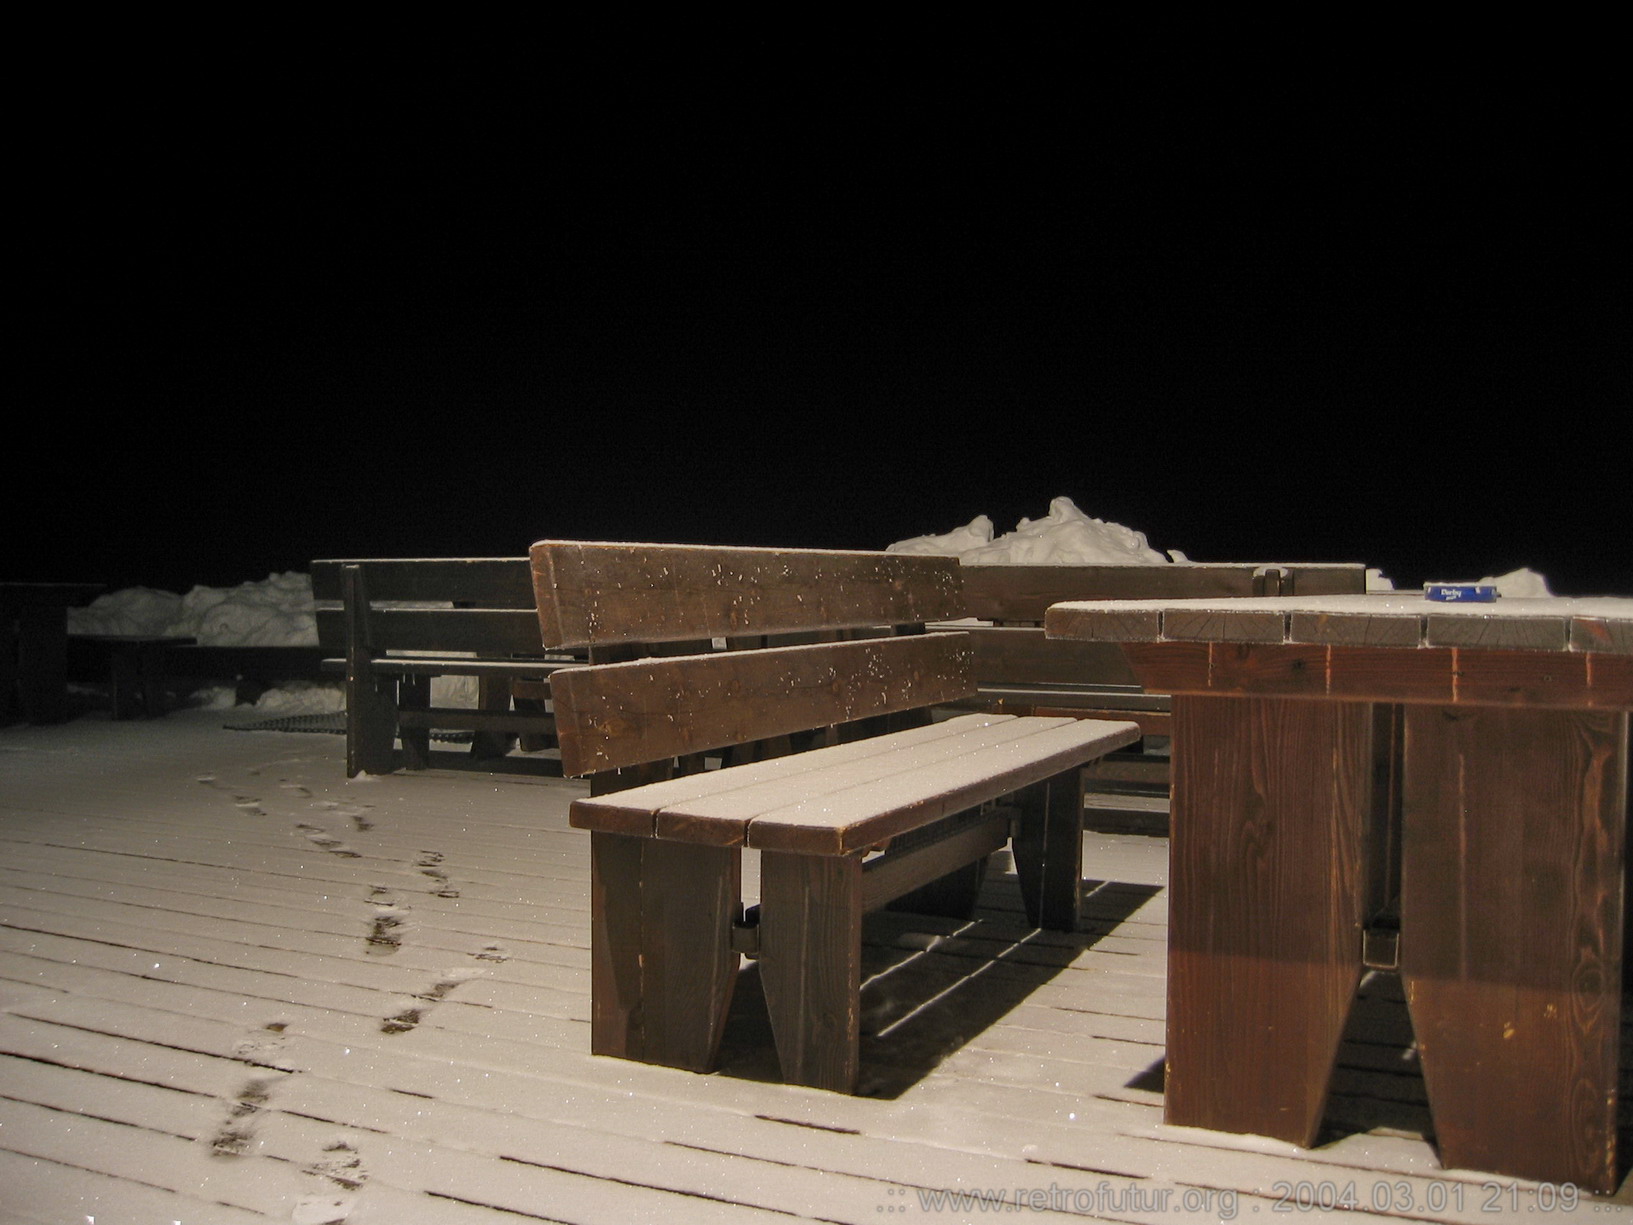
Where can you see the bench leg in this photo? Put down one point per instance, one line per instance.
(533, 742)
(371, 726)
(414, 693)
(811, 965)
(137, 680)
(371, 701)
(662, 967)
(1048, 848)
(492, 693)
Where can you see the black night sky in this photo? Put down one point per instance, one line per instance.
(725, 285)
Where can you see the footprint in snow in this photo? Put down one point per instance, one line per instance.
(357, 814)
(341, 1175)
(236, 1133)
(408, 1018)
(322, 838)
(428, 864)
(261, 1047)
(257, 771)
(249, 805)
(388, 924)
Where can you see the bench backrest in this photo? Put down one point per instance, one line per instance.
(742, 606)
(482, 605)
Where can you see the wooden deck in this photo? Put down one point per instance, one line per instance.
(235, 987)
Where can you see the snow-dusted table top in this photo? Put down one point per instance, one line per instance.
(1388, 619)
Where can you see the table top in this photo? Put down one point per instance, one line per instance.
(1388, 619)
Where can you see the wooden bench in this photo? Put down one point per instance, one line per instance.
(144, 672)
(390, 625)
(132, 665)
(252, 669)
(1021, 671)
(141, 671)
(821, 653)
(34, 648)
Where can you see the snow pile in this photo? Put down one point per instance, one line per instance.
(1524, 583)
(135, 610)
(976, 534)
(273, 613)
(278, 612)
(288, 698)
(1065, 537)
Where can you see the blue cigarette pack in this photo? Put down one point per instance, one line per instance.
(1471, 592)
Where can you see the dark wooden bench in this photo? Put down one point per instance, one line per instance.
(142, 671)
(390, 625)
(132, 666)
(251, 669)
(1021, 671)
(34, 648)
(811, 680)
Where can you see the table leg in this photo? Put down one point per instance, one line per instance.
(662, 967)
(42, 662)
(1271, 805)
(9, 710)
(1511, 929)
(125, 680)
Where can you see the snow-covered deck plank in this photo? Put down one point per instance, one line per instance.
(274, 995)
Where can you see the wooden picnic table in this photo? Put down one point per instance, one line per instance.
(1439, 789)
(34, 646)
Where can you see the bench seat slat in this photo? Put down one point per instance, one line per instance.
(613, 813)
(444, 665)
(894, 754)
(854, 818)
(738, 813)
(839, 806)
